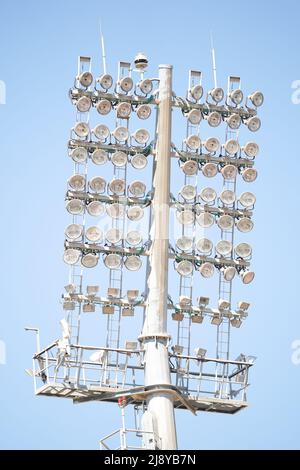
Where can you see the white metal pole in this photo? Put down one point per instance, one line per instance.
(155, 337)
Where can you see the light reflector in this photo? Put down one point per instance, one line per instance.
(77, 182)
(257, 99)
(71, 256)
(82, 129)
(75, 206)
(228, 197)
(113, 261)
(137, 189)
(103, 107)
(207, 270)
(95, 208)
(234, 121)
(84, 104)
(247, 276)
(115, 211)
(105, 81)
(193, 142)
(90, 260)
(214, 119)
(184, 243)
(194, 117)
(123, 110)
(135, 213)
(205, 220)
(229, 172)
(210, 170)
(133, 263)
(117, 186)
(94, 234)
(185, 268)
(126, 84)
(225, 222)
(245, 225)
(134, 238)
(249, 175)
(247, 200)
(229, 273)
(204, 246)
(190, 168)
(73, 231)
(186, 217)
(217, 94)
(97, 184)
(99, 157)
(254, 124)
(79, 155)
(224, 248)
(208, 195)
(243, 250)
(251, 149)
(85, 79)
(139, 161)
(114, 236)
(141, 136)
(121, 134)
(119, 158)
(101, 132)
(188, 192)
(232, 147)
(212, 145)
(143, 111)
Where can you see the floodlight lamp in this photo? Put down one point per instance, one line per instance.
(232, 147)
(131, 345)
(210, 170)
(184, 243)
(188, 192)
(228, 197)
(216, 319)
(194, 117)
(77, 182)
(143, 111)
(134, 238)
(84, 104)
(214, 119)
(224, 248)
(251, 149)
(103, 107)
(139, 161)
(89, 307)
(117, 186)
(113, 261)
(126, 84)
(90, 260)
(97, 184)
(114, 236)
(236, 322)
(193, 142)
(79, 155)
(244, 306)
(99, 157)
(70, 288)
(73, 231)
(229, 172)
(212, 145)
(236, 96)
(185, 301)
(177, 349)
(113, 293)
(85, 79)
(141, 136)
(108, 309)
(204, 246)
(205, 220)
(243, 250)
(119, 158)
(82, 130)
(133, 263)
(186, 217)
(247, 200)
(245, 225)
(132, 295)
(200, 352)
(257, 99)
(121, 134)
(208, 195)
(137, 189)
(105, 81)
(123, 110)
(249, 175)
(247, 276)
(190, 168)
(135, 213)
(75, 206)
(207, 270)
(101, 132)
(223, 304)
(71, 256)
(115, 211)
(225, 222)
(95, 208)
(203, 301)
(196, 92)
(217, 94)
(253, 124)
(229, 273)
(145, 86)
(94, 234)
(234, 121)
(92, 290)
(185, 268)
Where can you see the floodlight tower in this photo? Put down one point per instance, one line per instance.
(154, 372)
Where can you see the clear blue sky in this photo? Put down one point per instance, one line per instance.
(39, 45)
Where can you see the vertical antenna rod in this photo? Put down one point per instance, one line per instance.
(103, 50)
(213, 55)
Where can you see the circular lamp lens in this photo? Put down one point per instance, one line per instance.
(194, 117)
(145, 86)
(207, 270)
(77, 182)
(245, 225)
(105, 81)
(229, 273)
(113, 261)
(214, 119)
(126, 84)
(204, 246)
(249, 175)
(236, 96)
(184, 243)
(119, 159)
(196, 92)
(95, 208)
(71, 256)
(208, 195)
(254, 124)
(103, 107)
(247, 200)
(73, 231)
(193, 142)
(234, 121)
(247, 277)
(185, 268)
(86, 79)
(90, 260)
(232, 147)
(135, 213)
(143, 111)
(117, 186)
(139, 161)
(251, 149)
(123, 110)
(212, 145)
(217, 94)
(188, 192)
(137, 189)
(141, 136)
(134, 238)
(75, 206)
(94, 234)
(257, 99)
(225, 222)
(133, 263)
(121, 134)
(229, 172)
(97, 184)
(190, 168)
(205, 220)
(101, 132)
(243, 250)
(84, 104)
(114, 236)
(115, 211)
(99, 157)
(228, 197)
(210, 170)
(82, 129)
(224, 248)
(79, 155)
(186, 217)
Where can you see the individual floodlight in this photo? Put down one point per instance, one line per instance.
(205, 219)
(105, 81)
(185, 268)
(137, 189)
(98, 356)
(135, 213)
(132, 295)
(95, 208)
(92, 290)
(229, 273)
(229, 172)
(225, 222)
(75, 206)
(196, 92)
(71, 288)
(69, 305)
(126, 84)
(113, 261)
(108, 309)
(101, 132)
(217, 94)
(127, 312)
(244, 306)
(204, 246)
(228, 197)
(115, 211)
(208, 195)
(141, 136)
(143, 111)
(103, 107)
(131, 345)
(185, 301)
(90, 260)
(114, 236)
(188, 192)
(212, 145)
(97, 184)
(121, 134)
(247, 200)
(133, 263)
(190, 168)
(193, 142)
(186, 217)
(257, 99)
(200, 352)
(113, 293)
(82, 129)
(123, 110)
(184, 243)
(253, 124)
(117, 186)
(77, 182)
(94, 234)
(79, 155)
(203, 301)
(71, 256)
(194, 117)
(224, 248)
(232, 147)
(236, 96)
(89, 308)
(139, 161)
(178, 350)
(247, 276)
(73, 231)
(234, 121)
(236, 321)
(99, 157)
(207, 270)
(223, 304)
(119, 158)
(214, 119)
(210, 170)
(216, 319)
(249, 175)
(243, 250)
(251, 149)
(196, 318)
(245, 225)
(134, 237)
(85, 79)
(145, 86)
(84, 104)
